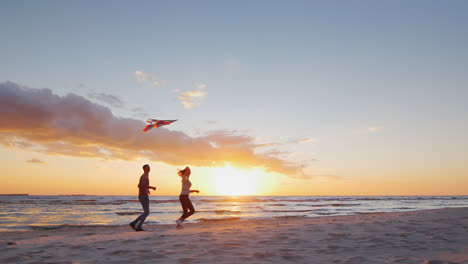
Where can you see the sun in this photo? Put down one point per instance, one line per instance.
(235, 182)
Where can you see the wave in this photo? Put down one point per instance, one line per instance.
(266, 201)
(60, 202)
(225, 219)
(345, 204)
(253, 200)
(128, 213)
(122, 203)
(334, 204)
(221, 211)
(225, 211)
(288, 211)
(66, 226)
(290, 216)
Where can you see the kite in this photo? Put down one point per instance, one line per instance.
(156, 123)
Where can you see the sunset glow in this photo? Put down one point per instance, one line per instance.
(303, 98)
(231, 181)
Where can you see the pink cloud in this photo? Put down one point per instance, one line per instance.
(375, 128)
(38, 120)
(190, 99)
(147, 78)
(34, 160)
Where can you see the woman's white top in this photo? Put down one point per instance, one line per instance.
(186, 184)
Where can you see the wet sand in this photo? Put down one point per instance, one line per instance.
(425, 237)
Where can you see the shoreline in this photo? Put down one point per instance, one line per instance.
(435, 236)
(32, 228)
(239, 196)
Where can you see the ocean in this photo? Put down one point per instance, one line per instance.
(31, 212)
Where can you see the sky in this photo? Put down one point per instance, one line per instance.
(271, 97)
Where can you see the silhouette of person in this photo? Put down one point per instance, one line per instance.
(143, 197)
(184, 199)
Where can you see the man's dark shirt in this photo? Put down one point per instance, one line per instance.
(143, 185)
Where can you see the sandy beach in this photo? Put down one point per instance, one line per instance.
(427, 236)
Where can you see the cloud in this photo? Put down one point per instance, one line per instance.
(42, 121)
(263, 145)
(373, 129)
(305, 140)
(34, 160)
(109, 99)
(139, 112)
(116, 102)
(147, 78)
(294, 141)
(190, 99)
(200, 86)
(329, 176)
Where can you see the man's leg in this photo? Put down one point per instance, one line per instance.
(135, 222)
(144, 200)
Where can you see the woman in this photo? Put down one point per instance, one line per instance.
(184, 199)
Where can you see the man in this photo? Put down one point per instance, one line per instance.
(143, 196)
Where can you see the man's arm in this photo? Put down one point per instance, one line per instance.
(151, 187)
(144, 184)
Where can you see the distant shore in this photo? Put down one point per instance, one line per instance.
(424, 237)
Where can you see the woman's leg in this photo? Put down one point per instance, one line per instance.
(190, 207)
(187, 206)
(183, 203)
